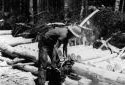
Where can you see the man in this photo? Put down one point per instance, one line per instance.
(48, 45)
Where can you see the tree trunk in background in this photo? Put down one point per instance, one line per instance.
(15, 7)
(39, 6)
(123, 4)
(31, 10)
(6, 4)
(117, 4)
(82, 9)
(0, 5)
(67, 9)
(44, 5)
(86, 7)
(3, 5)
(35, 10)
(25, 7)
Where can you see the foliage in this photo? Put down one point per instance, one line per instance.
(48, 17)
(107, 22)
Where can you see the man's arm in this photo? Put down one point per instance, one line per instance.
(65, 48)
(55, 54)
(56, 46)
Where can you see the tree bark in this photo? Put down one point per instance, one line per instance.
(8, 39)
(96, 74)
(18, 52)
(27, 68)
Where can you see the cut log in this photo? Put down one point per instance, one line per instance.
(27, 68)
(113, 48)
(21, 41)
(121, 52)
(84, 81)
(5, 32)
(97, 60)
(15, 61)
(18, 53)
(4, 59)
(69, 81)
(97, 74)
(9, 39)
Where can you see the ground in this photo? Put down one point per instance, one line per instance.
(84, 54)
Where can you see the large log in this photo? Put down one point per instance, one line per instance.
(97, 60)
(69, 81)
(83, 52)
(97, 74)
(21, 41)
(27, 68)
(18, 53)
(121, 52)
(82, 81)
(15, 61)
(113, 48)
(13, 41)
(5, 32)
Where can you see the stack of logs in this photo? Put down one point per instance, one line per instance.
(24, 55)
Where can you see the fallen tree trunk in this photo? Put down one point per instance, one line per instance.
(69, 81)
(21, 41)
(15, 61)
(109, 57)
(113, 48)
(9, 39)
(18, 53)
(5, 32)
(121, 52)
(27, 68)
(97, 74)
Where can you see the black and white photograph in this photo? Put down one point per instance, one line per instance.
(62, 42)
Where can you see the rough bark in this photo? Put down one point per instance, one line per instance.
(17, 53)
(97, 74)
(13, 41)
(27, 68)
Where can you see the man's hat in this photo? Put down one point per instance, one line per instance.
(75, 30)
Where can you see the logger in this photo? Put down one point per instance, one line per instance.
(48, 45)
